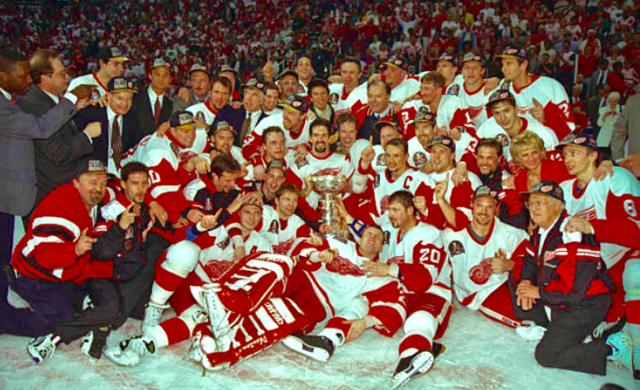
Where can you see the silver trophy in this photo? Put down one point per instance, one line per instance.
(328, 186)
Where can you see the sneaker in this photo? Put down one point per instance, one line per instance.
(318, 348)
(412, 367)
(129, 352)
(622, 348)
(43, 347)
(530, 331)
(93, 343)
(606, 329)
(152, 314)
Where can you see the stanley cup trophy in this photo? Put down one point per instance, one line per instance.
(328, 186)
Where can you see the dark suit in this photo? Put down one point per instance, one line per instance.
(18, 190)
(140, 117)
(235, 117)
(101, 144)
(58, 157)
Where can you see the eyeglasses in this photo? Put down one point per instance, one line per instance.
(535, 205)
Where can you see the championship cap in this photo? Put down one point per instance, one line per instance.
(425, 116)
(222, 125)
(182, 120)
(514, 52)
(295, 103)
(160, 63)
(581, 139)
(398, 63)
(122, 84)
(226, 68)
(276, 164)
(318, 83)
(198, 68)
(547, 188)
(486, 191)
(111, 53)
(92, 167)
(450, 58)
(443, 140)
(259, 85)
(288, 72)
(471, 56)
(388, 122)
(499, 96)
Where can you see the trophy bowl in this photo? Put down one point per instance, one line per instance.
(329, 184)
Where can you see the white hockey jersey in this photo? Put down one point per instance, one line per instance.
(491, 129)
(418, 155)
(342, 102)
(378, 164)
(89, 79)
(614, 196)
(405, 90)
(282, 233)
(203, 111)
(254, 139)
(475, 102)
(473, 278)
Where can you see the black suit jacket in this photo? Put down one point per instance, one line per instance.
(235, 117)
(58, 157)
(101, 144)
(140, 117)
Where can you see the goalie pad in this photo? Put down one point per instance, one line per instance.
(253, 280)
(274, 320)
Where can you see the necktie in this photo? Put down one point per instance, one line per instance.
(246, 126)
(156, 111)
(116, 142)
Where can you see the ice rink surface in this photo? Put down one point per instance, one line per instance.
(481, 354)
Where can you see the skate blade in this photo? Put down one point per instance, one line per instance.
(419, 367)
(297, 345)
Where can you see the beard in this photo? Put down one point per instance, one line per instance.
(320, 147)
(95, 197)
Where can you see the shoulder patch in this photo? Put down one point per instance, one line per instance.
(333, 98)
(419, 158)
(382, 159)
(453, 90)
(224, 243)
(456, 248)
(274, 227)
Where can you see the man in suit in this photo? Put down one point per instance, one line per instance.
(247, 117)
(17, 167)
(599, 77)
(57, 157)
(117, 135)
(152, 106)
(627, 127)
(199, 83)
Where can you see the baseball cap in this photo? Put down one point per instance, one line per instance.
(425, 116)
(399, 63)
(288, 72)
(514, 52)
(445, 141)
(276, 164)
(486, 191)
(546, 188)
(122, 84)
(222, 125)
(449, 57)
(160, 63)
(388, 122)
(471, 56)
(111, 53)
(318, 83)
(198, 68)
(295, 103)
(259, 85)
(226, 68)
(92, 167)
(182, 120)
(499, 96)
(581, 139)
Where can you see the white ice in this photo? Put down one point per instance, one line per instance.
(480, 354)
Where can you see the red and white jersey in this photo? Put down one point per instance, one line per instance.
(418, 155)
(216, 255)
(549, 93)
(253, 141)
(342, 102)
(452, 111)
(614, 197)
(282, 233)
(473, 278)
(491, 129)
(422, 262)
(409, 87)
(343, 280)
(451, 89)
(475, 103)
(203, 112)
(334, 164)
(164, 157)
(458, 196)
(89, 79)
(378, 164)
